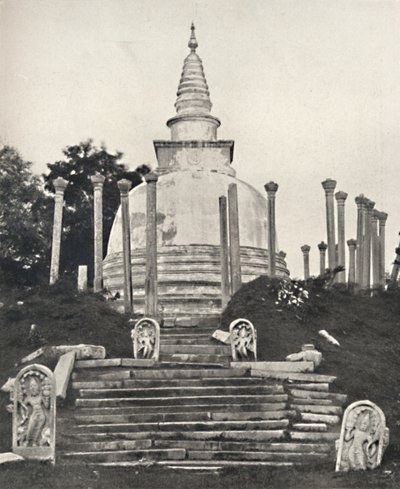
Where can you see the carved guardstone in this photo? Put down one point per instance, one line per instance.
(34, 413)
(363, 437)
(243, 340)
(146, 339)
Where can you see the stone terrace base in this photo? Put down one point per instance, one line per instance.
(189, 277)
(194, 409)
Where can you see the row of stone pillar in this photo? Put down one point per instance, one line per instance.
(369, 246)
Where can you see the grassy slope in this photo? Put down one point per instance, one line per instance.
(367, 365)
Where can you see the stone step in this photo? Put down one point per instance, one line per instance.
(320, 418)
(292, 376)
(313, 436)
(176, 401)
(195, 357)
(194, 416)
(316, 409)
(115, 362)
(263, 368)
(244, 446)
(200, 465)
(108, 445)
(255, 455)
(187, 340)
(122, 455)
(194, 364)
(260, 435)
(322, 427)
(297, 402)
(146, 383)
(148, 392)
(195, 349)
(338, 398)
(320, 387)
(182, 426)
(155, 374)
(184, 408)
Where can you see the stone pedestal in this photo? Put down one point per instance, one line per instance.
(82, 278)
(151, 297)
(352, 244)
(382, 245)
(329, 186)
(322, 257)
(234, 239)
(124, 187)
(306, 250)
(271, 189)
(360, 201)
(223, 226)
(341, 199)
(98, 182)
(60, 185)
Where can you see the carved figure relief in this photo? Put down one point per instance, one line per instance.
(146, 339)
(363, 437)
(243, 340)
(34, 413)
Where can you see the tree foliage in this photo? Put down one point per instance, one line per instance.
(80, 162)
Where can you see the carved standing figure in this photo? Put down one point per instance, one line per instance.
(146, 339)
(243, 340)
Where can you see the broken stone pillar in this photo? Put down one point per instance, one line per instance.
(322, 257)
(234, 239)
(395, 270)
(271, 189)
(59, 185)
(124, 187)
(352, 244)
(366, 280)
(340, 200)
(151, 297)
(306, 250)
(329, 187)
(82, 278)
(360, 201)
(224, 247)
(375, 249)
(382, 245)
(98, 182)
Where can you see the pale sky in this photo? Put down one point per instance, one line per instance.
(308, 89)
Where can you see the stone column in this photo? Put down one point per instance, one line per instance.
(98, 181)
(329, 186)
(352, 243)
(341, 199)
(271, 189)
(124, 187)
(366, 282)
(322, 257)
(234, 239)
(151, 296)
(224, 247)
(360, 201)
(306, 250)
(375, 249)
(60, 185)
(382, 245)
(82, 278)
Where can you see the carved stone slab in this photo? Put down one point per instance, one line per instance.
(363, 437)
(146, 339)
(243, 340)
(34, 413)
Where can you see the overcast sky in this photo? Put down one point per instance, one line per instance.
(307, 89)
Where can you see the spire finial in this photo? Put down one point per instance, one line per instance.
(192, 41)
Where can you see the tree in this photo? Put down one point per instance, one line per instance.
(79, 163)
(24, 240)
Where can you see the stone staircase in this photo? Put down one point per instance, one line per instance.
(193, 409)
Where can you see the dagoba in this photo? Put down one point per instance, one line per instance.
(194, 169)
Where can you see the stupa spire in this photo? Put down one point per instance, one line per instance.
(193, 94)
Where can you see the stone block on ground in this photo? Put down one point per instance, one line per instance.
(308, 353)
(62, 373)
(222, 336)
(10, 457)
(83, 352)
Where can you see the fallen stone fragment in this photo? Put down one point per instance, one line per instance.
(329, 338)
(222, 336)
(308, 353)
(62, 373)
(10, 457)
